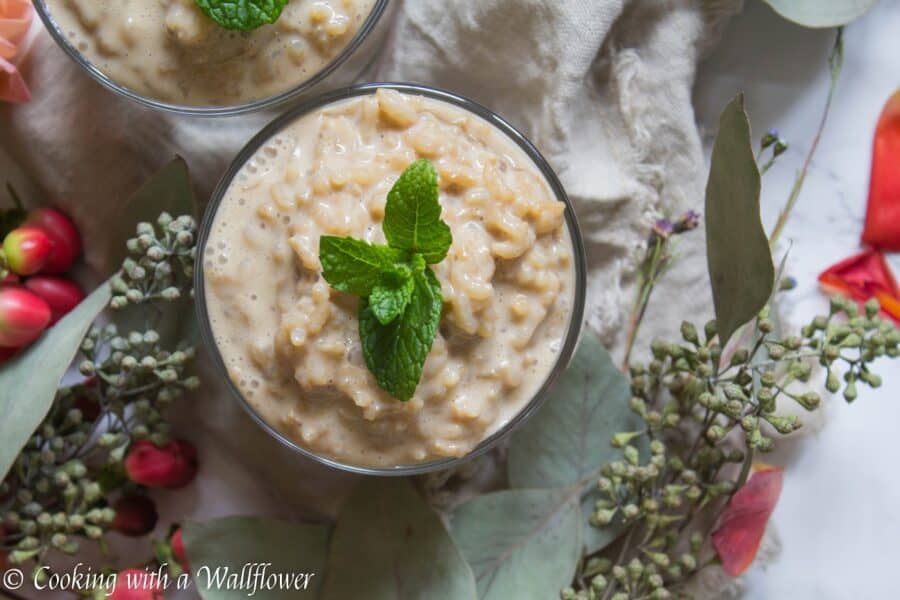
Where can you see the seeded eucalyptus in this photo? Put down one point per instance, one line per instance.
(707, 413)
(55, 495)
(161, 262)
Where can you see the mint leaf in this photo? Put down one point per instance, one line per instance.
(412, 215)
(396, 353)
(355, 266)
(390, 297)
(242, 14)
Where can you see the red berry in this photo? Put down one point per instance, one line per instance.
(63, 236)
(7, 353)
(135, 515)
(176, 542)
(90, 408)
(23, 316)
(171, 466)
(61, 294)
(136, 584)
(27, 250)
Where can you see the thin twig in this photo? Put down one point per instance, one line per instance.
(836, 61)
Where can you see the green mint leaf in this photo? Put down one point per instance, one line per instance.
(390, 298)
(242, 14)
(412, 215)
(396, 353)
(355, 266)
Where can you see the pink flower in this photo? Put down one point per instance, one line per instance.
(177, 544)
(15, 19)
(136, 584)
(171, 466)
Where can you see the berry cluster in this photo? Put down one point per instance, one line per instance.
(38, 247)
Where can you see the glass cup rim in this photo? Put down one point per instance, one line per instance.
(573, 331)
(379, 8)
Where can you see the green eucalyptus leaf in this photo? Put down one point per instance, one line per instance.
(597, 538)
(568, 440)
(168, 190)
(740, 262)
(821, 13)
(520, 543)
(28, 383)
(389, 544)
(230, 543)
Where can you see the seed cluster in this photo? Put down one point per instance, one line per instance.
(706, 412)
(60, 489)
(161, 264)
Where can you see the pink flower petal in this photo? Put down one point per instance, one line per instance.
(7, 49)
(15, 19)
(12, 86)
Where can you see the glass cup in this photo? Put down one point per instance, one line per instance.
(573, 329)
(345, 68)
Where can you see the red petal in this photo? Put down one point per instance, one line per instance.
(862, 277)
(744, 520)
(883, 214)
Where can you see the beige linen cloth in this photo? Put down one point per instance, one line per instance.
(602, 87)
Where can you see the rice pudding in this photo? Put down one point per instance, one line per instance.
(290, 342)
(170, 51)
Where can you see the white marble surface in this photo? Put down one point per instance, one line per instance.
(837, 518)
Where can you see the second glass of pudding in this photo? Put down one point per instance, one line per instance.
(167, 54)
(513, 282)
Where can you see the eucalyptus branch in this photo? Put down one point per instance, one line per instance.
(702, 432)
(836, 62)
(59, 485)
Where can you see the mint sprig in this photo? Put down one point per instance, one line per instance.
(401, 296)
(244, 15)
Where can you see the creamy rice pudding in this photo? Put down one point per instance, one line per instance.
(290, 342)
(170, 51)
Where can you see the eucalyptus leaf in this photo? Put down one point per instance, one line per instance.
(389, 544)
(740, 262)
(520, 543)
(28, 383)
(568, 440)
(821, 13)
(168, 190)
(224, 546)
(594, 538)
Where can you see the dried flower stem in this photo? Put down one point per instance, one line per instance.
(836, 62)
(654, 264)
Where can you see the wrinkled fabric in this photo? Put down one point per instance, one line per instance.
(602, 87)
